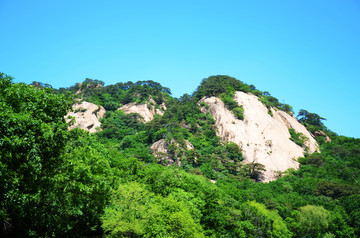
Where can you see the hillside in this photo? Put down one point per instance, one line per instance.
(171, 167)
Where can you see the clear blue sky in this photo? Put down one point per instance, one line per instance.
(306, 53)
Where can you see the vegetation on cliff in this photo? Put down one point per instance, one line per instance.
(111, 97)
(56, 182)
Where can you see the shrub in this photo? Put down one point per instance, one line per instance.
(239, 112)
(299, 138)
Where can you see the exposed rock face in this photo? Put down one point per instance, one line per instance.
(160, 150)
(147, 111)
(86, 116)
(262, 138)
(321, 133)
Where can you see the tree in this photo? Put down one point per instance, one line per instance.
(216, 85)
(253, 170)
(309, 118)
(312, 220)
(33, 134)
(258, 221)
(136, 212)
(233, 151)
(47, 184)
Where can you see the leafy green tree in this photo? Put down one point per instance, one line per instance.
(219, 84)
(338, 225)
(253, 170)
(33, 134)
(136, 212)
(287, 108)
(75, 197)
(258, 221)
(212, 86)
(313, 221)
(352, 206)
(53, 181)
(298, 137)
(335, 189)
(116, 125)
(233, 151)
(310, 119)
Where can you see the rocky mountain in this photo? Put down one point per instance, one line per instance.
(161, 150)
(263, 138)
(85, 115)
(191, 172)
(146, 110)
(265, 134)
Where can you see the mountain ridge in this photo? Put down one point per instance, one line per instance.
(255, 123)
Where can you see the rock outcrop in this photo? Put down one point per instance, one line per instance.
(321, 133)
(160, 149)
(263, 138)
(146, 111)
(86, 116)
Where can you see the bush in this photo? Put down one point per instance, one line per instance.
(229, 101)
(233, 106)
(239, 113)
(298, 138)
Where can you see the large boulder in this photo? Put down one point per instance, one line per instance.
(146, 110)
(85, 115)
(322, 134)
(160, 149)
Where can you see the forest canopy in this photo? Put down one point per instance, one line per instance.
(56, 182)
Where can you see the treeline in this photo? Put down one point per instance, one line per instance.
(224, 87)
(111, 97)
(56, 182)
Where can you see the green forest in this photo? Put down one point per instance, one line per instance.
(57, 182)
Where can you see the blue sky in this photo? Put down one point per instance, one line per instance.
(305, 53)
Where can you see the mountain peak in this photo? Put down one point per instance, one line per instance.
(263, 138)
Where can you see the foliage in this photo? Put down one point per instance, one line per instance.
(111, 97)
(219, 84)
(335, 189)
(233, 106)
(56, 182)
(33, 134)
(312, 121)
(264, 222)
(48, 187)
(79, 190)
(253, 170)
(297, 137)
(134, 211)
(312, 221)
(310, 118)
(225, 87)
(272, 102)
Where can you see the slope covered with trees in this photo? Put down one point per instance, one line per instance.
(56, 182)
(111, 97)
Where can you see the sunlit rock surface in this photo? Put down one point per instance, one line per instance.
(262, 138)
(86, 116)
